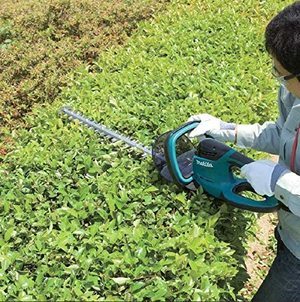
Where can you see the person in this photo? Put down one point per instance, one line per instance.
(282, 40)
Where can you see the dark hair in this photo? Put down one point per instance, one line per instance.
(283, 37)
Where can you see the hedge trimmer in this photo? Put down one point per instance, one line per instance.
(210, 165)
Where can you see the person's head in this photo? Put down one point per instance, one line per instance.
(282, 39)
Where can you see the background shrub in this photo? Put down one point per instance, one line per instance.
(41, 41)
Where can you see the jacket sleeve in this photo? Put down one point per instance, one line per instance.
(287, 190)
(264, 137)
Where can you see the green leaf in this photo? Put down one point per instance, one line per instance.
(121, 280)
(9, 233)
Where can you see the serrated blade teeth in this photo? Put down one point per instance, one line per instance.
(102, 130)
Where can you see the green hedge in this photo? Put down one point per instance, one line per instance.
(83, 218)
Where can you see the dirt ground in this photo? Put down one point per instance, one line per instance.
(260, 253)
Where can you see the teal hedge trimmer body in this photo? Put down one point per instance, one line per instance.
(211, 164)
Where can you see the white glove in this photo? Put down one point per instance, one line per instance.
(263, 175)
(221, 131)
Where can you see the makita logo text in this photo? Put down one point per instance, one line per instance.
(204, 164)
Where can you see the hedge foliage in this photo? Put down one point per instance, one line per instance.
(83, 218)
(41, 41)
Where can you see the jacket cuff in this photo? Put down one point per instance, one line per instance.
(245, 135)
(276, 174)
(285, 186)
(287, 191)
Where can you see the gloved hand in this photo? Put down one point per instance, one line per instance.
(263, 175)
(221, 131)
